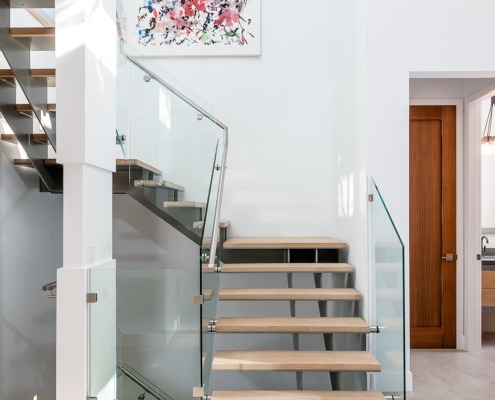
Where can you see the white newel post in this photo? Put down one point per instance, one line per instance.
(86, 117)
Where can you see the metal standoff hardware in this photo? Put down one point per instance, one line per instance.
(199, 116)
(377, 329)
(147, 78)
(50, 287)
(212, 325)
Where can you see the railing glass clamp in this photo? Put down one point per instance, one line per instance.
(212, 325)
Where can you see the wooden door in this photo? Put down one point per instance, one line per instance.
(432, 173)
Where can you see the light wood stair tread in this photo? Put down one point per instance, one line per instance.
(135, 165)
(248, 360)
(289, 294)
(43, 73)
(183, 204)
(295, 395)
(36, 72)
(291, 324)
(29, 108)
(221, 224)
(6, 73)
(33, 32)
(37, 137)
(27, 162)
(284, 243)
(158, 184)
(32, 3)
(41, 38)
(288, 267)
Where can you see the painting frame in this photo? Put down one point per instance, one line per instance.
(175, 28)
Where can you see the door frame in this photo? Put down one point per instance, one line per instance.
(474, 124)
(460, 270)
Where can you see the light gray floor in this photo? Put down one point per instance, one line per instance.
(454, 375)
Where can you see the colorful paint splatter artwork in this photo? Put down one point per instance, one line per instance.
(194, 22)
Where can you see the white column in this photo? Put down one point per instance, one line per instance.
(86, 117)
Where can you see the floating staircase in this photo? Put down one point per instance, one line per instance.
(324, 253)
(260, 256)
(142, 181)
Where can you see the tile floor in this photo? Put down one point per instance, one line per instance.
(454, 375)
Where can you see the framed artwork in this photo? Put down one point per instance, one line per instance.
(194, 27)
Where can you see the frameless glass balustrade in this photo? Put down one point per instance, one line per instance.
(387, 307)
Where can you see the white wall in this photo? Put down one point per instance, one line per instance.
(30, 253)
(278, 109)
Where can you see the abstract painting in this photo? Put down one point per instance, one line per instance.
(195, 27)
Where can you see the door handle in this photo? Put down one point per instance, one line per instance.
(448, 257)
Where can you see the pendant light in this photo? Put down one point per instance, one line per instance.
(487, 140)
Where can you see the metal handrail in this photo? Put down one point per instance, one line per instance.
(49, 286)
(177, 93)
(216, 220)
(140, 383)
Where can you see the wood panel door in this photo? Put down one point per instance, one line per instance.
(432, 184)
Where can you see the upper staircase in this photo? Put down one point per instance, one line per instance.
(175, 189)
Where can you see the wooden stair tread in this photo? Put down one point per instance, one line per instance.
(42, 38)
(284, 243)
(291, 324)
(6, 73)
(25, 108)
(135, 165)
(119, 163)
(43, 73)
(37, 137)
(248, 360)
(27, 162)
(32, 3)
(183, 204)
(37, 73)
(221, 224)
(288, 267)
(159, 184)
(296, 395)
(33, 32)
(289, 294)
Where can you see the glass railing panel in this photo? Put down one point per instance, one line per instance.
(158, 325)
(210, 277)
(102, 327)
(167, 140)
(387, 307)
